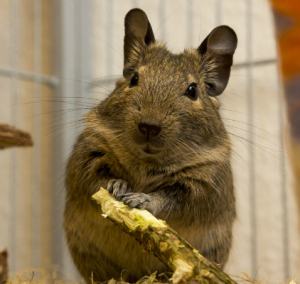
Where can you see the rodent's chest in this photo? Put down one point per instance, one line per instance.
(143, 179)
(144, 176)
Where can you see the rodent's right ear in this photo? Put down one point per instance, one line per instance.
(138, 35)
(217, 50)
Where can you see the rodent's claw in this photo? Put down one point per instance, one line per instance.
(110, 185)
(118, 187)
(136, 200)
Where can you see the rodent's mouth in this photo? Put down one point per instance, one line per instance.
(149, 150)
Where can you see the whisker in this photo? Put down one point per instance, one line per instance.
(107, 44)
(86, 82)
(248, 131)
(61, 131)
(239, 112)
(257, 145)
(246, 123)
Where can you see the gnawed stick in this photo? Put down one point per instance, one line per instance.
(13, 137)
(158, 238)
(3, 267)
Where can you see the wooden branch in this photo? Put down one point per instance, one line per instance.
(3, 266)
(13, 137)
(157, 237)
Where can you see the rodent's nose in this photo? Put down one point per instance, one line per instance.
(149, 129)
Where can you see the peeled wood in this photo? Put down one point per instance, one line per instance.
(13, 137)
(158, 238)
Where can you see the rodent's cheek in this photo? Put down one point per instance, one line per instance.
(126, 89)
(131, 128)
(215, 102)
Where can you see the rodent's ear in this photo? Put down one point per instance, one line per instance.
(138, 34)
(218, 49)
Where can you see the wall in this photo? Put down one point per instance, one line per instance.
(26, 95)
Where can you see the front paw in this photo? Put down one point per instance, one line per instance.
(118, 187)
(136, 200)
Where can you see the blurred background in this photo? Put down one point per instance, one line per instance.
(59, 58)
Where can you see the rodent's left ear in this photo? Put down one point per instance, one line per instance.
(218, 49)
(138, 34)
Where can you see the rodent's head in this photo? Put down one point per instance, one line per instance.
(165, 108)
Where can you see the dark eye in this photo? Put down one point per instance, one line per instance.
(191, 91)
(134, 80)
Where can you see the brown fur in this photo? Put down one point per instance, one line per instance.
(187, 179)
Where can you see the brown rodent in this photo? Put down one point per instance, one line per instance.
(157, 142)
